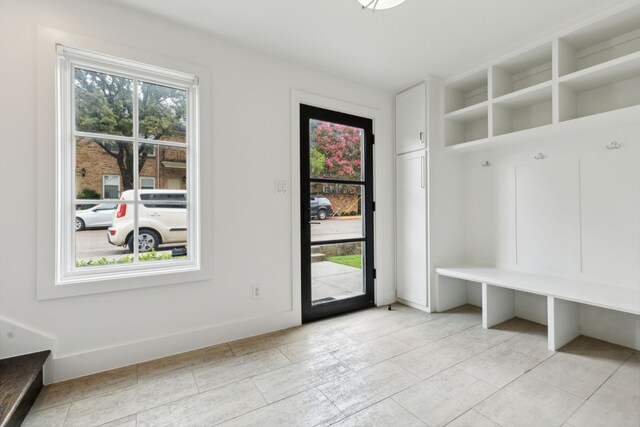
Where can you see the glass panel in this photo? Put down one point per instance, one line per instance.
(104, 168)
(104, 103)
(335, 151)
(162, 113)
(168, 166)
(336, 211)
(93, 247)
(336, 272)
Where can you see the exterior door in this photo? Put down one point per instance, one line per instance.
(337, 212)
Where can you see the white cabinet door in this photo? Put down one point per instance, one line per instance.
(610, 202)
(411, 205)
(410, 119)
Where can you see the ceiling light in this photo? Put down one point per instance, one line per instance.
(379, 4)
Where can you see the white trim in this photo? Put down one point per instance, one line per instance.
(47, 253)
(68, 61)
(297, 98)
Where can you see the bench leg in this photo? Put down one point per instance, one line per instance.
(452, 293)
(498, 305)
(563, 322)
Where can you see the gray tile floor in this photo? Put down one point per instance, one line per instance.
(371, 368)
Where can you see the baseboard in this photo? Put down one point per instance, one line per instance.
(90, 362)
(414, 305)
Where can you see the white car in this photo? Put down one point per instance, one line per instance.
(158, 223)
(95, 217)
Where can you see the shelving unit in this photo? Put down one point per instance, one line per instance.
(522, 71)
(591, 73)
(528, 108)
(467, 124)
(466, 92)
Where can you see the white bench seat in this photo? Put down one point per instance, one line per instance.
(563, 297)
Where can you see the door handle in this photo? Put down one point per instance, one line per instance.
(421, 137)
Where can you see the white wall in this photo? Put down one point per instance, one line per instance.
(575, 214)
(251, 140)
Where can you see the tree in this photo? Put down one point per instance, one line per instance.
(104, 104)
(339, 149)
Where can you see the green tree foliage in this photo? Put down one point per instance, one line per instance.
(104, 104)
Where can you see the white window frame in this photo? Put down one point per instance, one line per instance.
(104, 189)
(68, 58)
(153, 178)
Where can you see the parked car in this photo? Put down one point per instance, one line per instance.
(158, 223)
(95, 217)
(320, 207)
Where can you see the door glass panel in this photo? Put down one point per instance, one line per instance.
(336, 211)
(336, 272)
(335, 151)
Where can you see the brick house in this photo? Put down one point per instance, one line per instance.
(99, 171)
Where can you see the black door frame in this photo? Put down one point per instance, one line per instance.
(310, 311)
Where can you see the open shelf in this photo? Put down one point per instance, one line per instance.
(617, 70)
(525, 70)
(525, 109)
(611, 38)
(607, 119)
(467, 125)
(590, 81)
(467, 91)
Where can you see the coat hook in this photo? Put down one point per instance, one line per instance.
(615, 145)
(486, 164)
(540, 156)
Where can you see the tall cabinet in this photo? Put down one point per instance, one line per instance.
(411, 196)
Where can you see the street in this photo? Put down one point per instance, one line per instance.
(336, 228)
(93, 244)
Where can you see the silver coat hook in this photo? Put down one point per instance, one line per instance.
(540, 156)
(615, 145)
(486, 164)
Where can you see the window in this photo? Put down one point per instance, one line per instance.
(110, 186)
(114, 115)
(147, 182)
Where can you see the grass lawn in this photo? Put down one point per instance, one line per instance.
(350, 260)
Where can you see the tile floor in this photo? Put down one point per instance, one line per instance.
(371, 368)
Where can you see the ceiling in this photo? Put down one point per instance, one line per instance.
(388, 49)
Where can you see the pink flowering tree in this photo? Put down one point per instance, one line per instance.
(336, 151)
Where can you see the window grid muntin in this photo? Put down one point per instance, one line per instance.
(67, 63)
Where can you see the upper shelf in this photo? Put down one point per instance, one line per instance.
(616, 70)
(591, 80)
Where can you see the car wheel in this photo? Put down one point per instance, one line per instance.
(79, 224)
(322, 214)
(147, 240)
